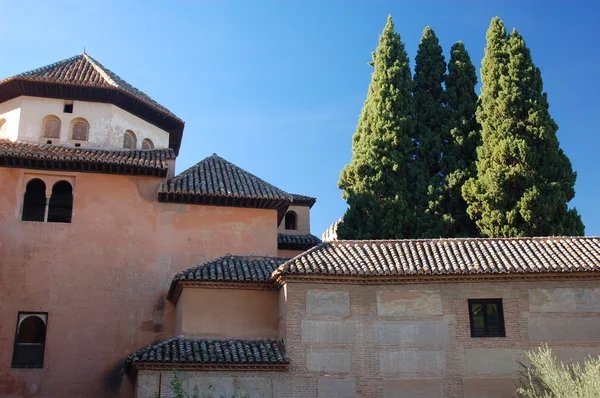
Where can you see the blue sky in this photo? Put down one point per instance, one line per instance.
(277, 87)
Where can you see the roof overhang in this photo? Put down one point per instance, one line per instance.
(16, 87)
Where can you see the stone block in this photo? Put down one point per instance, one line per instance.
(491, 361)
(336, 388)
(572, 354)
(328, 302)
(401, 362)
(226, 386)
(564, 300)
(489, 387)
(328, 361)
(564, 329)
(410, 332)
(409, 303)
(333, 332)
(426, 388)
(147, 384)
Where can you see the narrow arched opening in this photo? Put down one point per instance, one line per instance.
(60, 207)
(29, 343)
(34, 201)
(291, 220)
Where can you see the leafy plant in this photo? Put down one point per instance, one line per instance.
(547, 378)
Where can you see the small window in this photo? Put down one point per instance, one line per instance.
(49, 142)
(487, 318)
(147, 144)
(80, 130)
(30, 340)
(60, 207)
(68, 108)
(129, 140)
(51, 127)
(2, 128)
(290, 220)
(34, 201)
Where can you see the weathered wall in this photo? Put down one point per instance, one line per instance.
(103, 278)
(289, 253)
(107, 122)
(302, 219)
(10, 111)
(410, 340)
(225, 313)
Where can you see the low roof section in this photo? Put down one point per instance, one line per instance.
(229, 271)
(83, 78)
(296, 242)
(217, 182)
(200, 354)
(151, 162)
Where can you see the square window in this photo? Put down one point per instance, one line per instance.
(487, 318)
(68, 108)
(30, 340)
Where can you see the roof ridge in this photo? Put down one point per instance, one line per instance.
(100, 69)
(523, 238)
(48, 66)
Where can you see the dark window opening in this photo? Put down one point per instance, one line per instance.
(290, 220)
(49, 142)
(34, 202)
(487, 318)
(60, 207)
(68, 108)
(30, 341)
(78, 145)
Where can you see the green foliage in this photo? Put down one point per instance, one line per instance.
(431, 138)
(547, 378)
(458, 162)
(374, 183)
(524, 180)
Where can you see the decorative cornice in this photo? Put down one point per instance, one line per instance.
(210, 367)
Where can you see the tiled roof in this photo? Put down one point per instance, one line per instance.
(193, 351)
(83, 78)
(215, 181)
(303, 200)
(56, 157)
(447, 257)
(296, 242)
(229, 268)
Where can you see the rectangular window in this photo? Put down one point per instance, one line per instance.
(30, 340)
(68, 108)
(487, 318)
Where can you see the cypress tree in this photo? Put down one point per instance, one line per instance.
(431, 137)
(458, 163)
(374, 183)
(524, 180)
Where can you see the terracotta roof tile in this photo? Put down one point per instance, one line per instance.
(215, 181)
(56, 157)
(296, 242)
(189, 350)
(302, 200)
(448, 257)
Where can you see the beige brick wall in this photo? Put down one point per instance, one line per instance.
(414, 340)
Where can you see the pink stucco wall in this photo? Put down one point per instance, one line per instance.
(103, 278)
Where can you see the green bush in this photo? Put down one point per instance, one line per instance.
(545, 377)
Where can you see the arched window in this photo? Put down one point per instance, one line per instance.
(147, 144)
(129, 140)
(80, 129)
(60, 206)
(51, 127)
(30, 340)
(34, 201)
(290, 220)
(2, 128)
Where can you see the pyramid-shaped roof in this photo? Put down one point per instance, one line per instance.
(83, 78)
(215, 181)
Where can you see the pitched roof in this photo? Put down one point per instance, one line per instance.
(55, 157)
(302, 200)
(447, 257)
(70, 78)
(296, 242)
(215, 181)
(229, 268)
(195, 352)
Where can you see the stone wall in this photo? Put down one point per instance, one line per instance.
(414, 340)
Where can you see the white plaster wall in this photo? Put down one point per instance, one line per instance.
(107, 122)
(11, 112)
